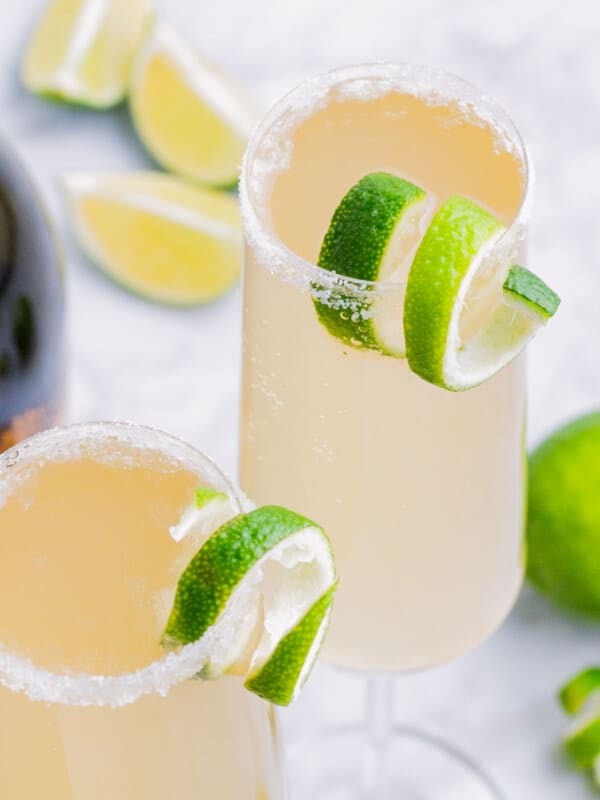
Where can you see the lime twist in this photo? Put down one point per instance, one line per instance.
(374, 226)
(460, 330)
(463, 315)
(260, 589)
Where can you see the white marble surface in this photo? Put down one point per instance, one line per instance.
(179, 369)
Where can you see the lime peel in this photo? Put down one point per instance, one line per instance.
(371, 237)
(255, 583)
(208, 511)
(459, 248)
(531, 292)
(280, 677)
(372, 244)
(206, 494)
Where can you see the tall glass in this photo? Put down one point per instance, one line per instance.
(91, 707)
(421, 490)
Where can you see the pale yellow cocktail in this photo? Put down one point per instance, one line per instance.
(421, 490)
(92, 707)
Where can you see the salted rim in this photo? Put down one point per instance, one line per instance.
(85, 689)
(272, 138)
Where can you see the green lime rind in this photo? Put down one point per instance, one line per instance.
(206, 494)
(563, 523)
(208, 510)
(526, 288)
(583, 745)
(458, 232)
(280, 678)
(363, 223)
(455, 260)
(355, 246)
(63, 99)
(265, 624)
(576, 692)
(221, 564)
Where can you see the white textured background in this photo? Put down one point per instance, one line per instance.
(179, 369)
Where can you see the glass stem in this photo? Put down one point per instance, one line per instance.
(379, 724)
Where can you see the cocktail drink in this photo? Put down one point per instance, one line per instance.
(383, 386)
(92, 706)
(421, 489)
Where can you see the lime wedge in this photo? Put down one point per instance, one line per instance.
(372, 236)
(581, 697)
(192, 119)
(582, 741)
(261, 587)
(157, 236)
(466, 315)
(576, 692)
(81, 50)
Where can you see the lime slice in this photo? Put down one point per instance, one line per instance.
(192, 119)
(577, 691)
(372, 236)
(261, 587)
(161, 238)
(81, 51)
(466, 316)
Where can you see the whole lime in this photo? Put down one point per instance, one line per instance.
(563, 525)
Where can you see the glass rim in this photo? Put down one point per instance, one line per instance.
(303, 100)
(20, 674)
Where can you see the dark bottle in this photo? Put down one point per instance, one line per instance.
(31, 308)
